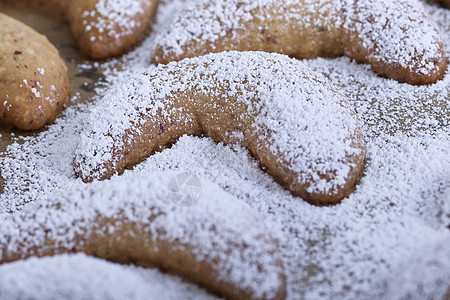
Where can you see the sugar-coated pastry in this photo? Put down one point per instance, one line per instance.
(395, 37)
(294, 122)
(219, 243)
(104, 28)
(34, 85)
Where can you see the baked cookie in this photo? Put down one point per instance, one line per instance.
(34, 84)
(395, 37)
(219, 243)
(104, 28)
(294, 122)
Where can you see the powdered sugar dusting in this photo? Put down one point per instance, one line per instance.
(114, 18)
(219, 230)
(394, 32)
(30, 279)
(207, 21)
(281, 96)
(389, 239)
(394, 36)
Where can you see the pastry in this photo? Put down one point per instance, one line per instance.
(395, 37)
(294, 122)
(219, 243)
(104, 28)
(34, 85)
(78, 276)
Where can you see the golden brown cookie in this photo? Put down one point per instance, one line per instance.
(294, 122)
(104, 28)
(34, 84)
(395, 37)
(219, 242)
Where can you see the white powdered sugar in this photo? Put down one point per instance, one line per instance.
(427, 273)
(127, 8)
(389, 239)
(219, 230)
(281, 96)
(392, 32)
(207, 21)
(29, 279)
(343, 250)
(116, 18)
(396, 32)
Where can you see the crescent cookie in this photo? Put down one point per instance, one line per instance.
(104, 28)
(395, 37)
(34, 85)
(301, 129)
(219, 243)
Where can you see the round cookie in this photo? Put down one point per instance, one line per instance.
(34, 84)
(294, 122)
(395, 37)
(104, 28)
(219, 243)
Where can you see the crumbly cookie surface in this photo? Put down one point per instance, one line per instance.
(299, 127)
(34, 85)
(104, 28)
(395, 37)
(30, 278)
(371, 245)
(219, 243)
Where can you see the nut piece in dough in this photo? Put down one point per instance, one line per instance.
(34, 84)
(219, 243)
(395, 37)
(294, 122)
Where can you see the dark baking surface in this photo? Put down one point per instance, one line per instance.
(55, 27)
